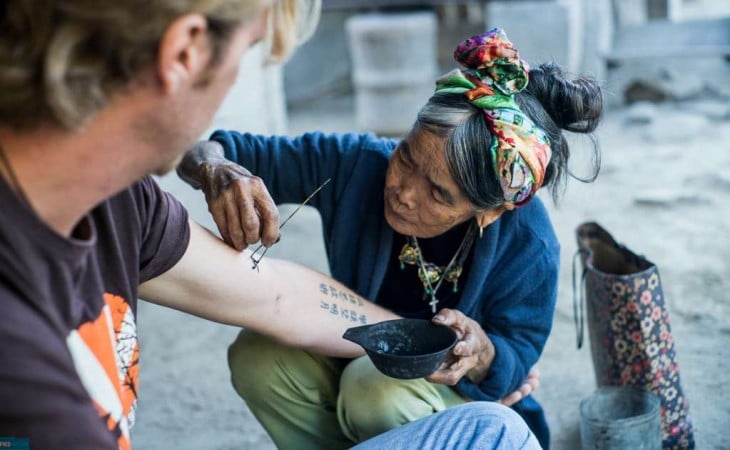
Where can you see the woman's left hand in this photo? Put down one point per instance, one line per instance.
(471, 356)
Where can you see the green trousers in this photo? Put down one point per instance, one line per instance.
(308, 401)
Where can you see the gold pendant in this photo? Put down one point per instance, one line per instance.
(452, 276)
(429, 274)
(408, 255)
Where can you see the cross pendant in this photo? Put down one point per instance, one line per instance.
(434, 301)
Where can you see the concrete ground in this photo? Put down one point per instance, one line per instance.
(662, 191)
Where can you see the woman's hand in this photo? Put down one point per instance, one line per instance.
(529, 386)
(471, 356)
(240, 204)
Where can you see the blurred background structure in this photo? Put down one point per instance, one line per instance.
(665, 68)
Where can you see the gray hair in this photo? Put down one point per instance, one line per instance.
(467, 136)
(554, 102)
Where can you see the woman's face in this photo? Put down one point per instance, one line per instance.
(421, 197)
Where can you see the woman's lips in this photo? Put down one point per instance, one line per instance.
(393, 211)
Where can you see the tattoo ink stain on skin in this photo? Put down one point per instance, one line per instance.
(277, 308)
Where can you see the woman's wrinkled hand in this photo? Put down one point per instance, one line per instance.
(530, 385)
(240, 204)
(471, 356)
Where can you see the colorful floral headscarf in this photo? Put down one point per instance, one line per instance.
(494, 74)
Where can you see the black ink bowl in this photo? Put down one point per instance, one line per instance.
(404, 348)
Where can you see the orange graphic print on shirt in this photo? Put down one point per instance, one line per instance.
(106, 355)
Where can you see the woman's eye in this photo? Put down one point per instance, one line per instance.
(404, 161)
(436, 194)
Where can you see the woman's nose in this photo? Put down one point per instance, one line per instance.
(407, 196)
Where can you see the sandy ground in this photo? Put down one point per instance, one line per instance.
(662, 191)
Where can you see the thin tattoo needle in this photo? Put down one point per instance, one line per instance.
(306, 200)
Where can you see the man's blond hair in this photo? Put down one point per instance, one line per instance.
(61, 60)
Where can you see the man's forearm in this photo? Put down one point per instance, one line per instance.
(288, 302)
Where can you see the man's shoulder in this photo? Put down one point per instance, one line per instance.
(159, 225)
(138, 195)
(135, 206)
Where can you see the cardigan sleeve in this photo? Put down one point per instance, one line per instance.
(518, 321)
(292, 168)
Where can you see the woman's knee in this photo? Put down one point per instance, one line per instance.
(263, 370)
(371, 403)
(252, 360)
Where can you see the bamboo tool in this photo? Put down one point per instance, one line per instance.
(306, 200)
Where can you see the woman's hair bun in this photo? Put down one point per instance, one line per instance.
(573, 104)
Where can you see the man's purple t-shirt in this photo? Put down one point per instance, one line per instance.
(69, 358)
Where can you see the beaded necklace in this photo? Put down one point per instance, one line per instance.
(430, 273)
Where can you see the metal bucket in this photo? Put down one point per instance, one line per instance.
(620, 418)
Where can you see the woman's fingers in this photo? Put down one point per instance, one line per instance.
(259, 215)
(453, 319)
(533, 379)
(448, 317)
(512, 398)
(233, 222)
(526, 389)
(532, 382)
(469, 346)
(448, 375)
(248, 218)
(251, 214)
(472, 336)
(268, 217)
(242, 207)
(218, 211)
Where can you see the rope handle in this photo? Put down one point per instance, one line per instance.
(579, 301)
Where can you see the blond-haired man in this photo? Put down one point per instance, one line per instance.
(94, 97)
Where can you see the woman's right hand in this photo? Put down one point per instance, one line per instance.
(239, 202)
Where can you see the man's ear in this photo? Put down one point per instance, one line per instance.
(184, 52)
(486, 218)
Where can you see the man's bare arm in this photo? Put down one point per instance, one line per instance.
(295, 305)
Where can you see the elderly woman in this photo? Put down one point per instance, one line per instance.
(443, 225)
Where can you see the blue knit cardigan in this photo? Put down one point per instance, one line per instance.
(510, 289)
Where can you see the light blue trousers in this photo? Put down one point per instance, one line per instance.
(471, 426)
